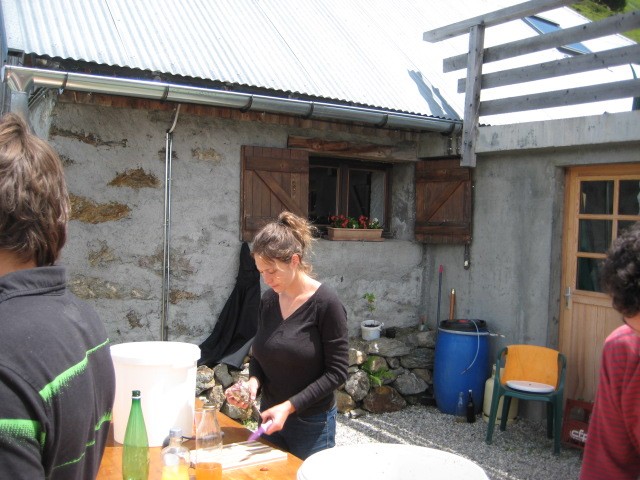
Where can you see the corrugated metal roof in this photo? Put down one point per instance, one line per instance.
(364, 52)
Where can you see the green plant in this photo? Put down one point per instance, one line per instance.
(343, 221)
(371, 301)
(376, 377)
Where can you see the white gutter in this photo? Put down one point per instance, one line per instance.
(24, 79)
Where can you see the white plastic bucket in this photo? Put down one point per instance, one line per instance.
(165, 374)
(370, 329)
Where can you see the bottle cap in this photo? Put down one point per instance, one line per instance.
(175, 432)
(135, 393)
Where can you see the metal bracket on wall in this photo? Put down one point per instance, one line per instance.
(467, 257)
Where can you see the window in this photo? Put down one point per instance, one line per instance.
(542, 25)
(277, 179)
(607, 207)
(348, 187)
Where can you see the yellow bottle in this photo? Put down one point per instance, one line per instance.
(488, 395)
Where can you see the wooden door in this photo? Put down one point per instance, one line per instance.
(273, 180)
(600, 202)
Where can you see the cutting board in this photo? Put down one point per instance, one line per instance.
(243, 454)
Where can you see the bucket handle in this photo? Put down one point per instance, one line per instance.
(380, 326)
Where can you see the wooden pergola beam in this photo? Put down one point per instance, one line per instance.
(472, 96)
(623, 22)
(493, 18)
(555, 68)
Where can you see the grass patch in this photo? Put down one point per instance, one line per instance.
(595, 11)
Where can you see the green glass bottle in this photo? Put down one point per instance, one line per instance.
(135, 452)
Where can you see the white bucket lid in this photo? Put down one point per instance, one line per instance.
(175, 354)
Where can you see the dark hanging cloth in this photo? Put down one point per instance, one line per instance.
(233, 333)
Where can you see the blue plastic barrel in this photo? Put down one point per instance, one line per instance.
(461, 363)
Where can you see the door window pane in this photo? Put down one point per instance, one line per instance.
(629, 202)
(589, 274)
(596, 197)
(594, 236)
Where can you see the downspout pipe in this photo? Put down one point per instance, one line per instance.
(166, 248)
(24, 79)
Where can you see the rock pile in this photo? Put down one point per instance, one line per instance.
(387, 374)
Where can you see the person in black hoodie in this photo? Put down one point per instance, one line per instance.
(57, 382)
(300, 352)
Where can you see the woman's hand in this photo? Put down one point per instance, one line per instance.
(278, 414)
(242, 394)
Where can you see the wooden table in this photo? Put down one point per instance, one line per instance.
(111, 466)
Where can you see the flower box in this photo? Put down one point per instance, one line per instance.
(355, 234)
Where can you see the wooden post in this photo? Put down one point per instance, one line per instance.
(472, 96)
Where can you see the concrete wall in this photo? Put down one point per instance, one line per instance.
(114, 160)
(516, 254)
(115, 165)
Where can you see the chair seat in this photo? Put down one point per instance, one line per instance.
(530, 387)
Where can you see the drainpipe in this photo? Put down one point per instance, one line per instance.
(22, 79)
(166, 249)
(20, 103)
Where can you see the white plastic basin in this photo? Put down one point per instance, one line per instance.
(165, 374)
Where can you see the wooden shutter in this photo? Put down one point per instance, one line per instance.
(443, 202)
(273, 180)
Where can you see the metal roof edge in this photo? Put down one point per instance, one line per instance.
(23, 79)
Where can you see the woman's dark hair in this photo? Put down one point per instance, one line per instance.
(34, 204)
(288, 236)
(620, 275)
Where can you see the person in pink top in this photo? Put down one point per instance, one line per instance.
(613, 442)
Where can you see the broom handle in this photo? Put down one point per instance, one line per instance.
(452, 304)
(439, 294)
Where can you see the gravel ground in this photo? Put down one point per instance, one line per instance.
(521, 452)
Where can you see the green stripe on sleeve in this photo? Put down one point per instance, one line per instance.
(62, 380)
(22, 432)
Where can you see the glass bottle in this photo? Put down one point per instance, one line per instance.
(461, 409)
(208, 444)
(135, 451)
(175, 457)
(471, 408)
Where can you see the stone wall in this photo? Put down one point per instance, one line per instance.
(385, 375)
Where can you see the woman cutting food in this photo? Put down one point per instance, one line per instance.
(300, 352)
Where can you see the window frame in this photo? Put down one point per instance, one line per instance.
(344, 168)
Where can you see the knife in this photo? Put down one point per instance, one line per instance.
(260, 430)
